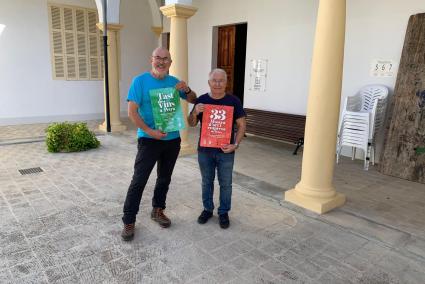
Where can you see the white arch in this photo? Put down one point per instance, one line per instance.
(183, 2)
(113, 7)
(114, 10)
(156, 15)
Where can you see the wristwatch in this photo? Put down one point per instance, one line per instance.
(237, 145)
(188, 92)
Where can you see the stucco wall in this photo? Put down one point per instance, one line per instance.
(137, 42)
(28, 94)
(282, 31)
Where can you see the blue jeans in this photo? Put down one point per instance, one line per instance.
(208, 163)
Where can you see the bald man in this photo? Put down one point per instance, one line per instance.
(154, 146)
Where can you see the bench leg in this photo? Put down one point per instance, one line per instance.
(299, 143)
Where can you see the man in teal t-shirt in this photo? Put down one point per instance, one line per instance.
(154, 146)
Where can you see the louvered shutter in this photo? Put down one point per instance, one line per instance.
(70, 44)
(76, 50)
(94, 51)
(57, 43)
(82, 54)
(102, 62)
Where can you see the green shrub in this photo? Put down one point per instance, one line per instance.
(70, 137)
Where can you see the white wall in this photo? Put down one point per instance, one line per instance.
(137, 43)
(28, 94)
(282, 31)
(375, 30)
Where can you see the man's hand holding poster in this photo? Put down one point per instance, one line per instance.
(166, 109)
(216, 126)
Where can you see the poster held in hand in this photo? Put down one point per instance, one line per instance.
(166, 109)
(216, 126)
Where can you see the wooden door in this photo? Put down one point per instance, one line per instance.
(226, 53)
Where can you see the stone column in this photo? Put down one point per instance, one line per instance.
(178, 15)
(315, 191)
(114, 89)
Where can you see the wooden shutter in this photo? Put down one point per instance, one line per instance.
(70, 43)
(56, 34)
(102, 63)
(76, 49)
(82, 54)
(94, 48)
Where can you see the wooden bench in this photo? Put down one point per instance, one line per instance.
(279, 126)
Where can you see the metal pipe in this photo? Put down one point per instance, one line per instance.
(105, 60)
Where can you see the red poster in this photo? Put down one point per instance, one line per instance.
(216, 126)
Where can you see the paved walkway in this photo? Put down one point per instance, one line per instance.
(63, 225)
(31, 132)
(382, 203)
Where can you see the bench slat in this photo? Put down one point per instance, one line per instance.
(279, 126)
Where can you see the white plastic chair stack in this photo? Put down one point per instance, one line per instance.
(362, 118)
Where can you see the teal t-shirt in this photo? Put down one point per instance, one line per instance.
(139, 93)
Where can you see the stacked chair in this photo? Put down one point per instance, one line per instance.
(362, 118)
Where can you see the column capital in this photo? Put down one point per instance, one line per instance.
(157, 30)
(111, 27)
(178, 10)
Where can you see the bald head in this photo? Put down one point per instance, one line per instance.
(161, 52)
(161, 61)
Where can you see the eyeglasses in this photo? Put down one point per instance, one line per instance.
(163, 59)
(218, 82)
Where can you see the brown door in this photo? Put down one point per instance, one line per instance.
(226, 53)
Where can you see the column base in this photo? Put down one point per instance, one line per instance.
(187, 149)
(315, 204)
(114, 127)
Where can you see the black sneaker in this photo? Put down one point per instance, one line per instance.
(204, 217)
(127, 233)
(224, 221)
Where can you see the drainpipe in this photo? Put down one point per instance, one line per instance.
(105, 60)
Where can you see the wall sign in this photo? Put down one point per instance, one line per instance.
(383, 68)
(258, 75)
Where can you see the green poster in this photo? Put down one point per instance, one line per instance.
(166, 109)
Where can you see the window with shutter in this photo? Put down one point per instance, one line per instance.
(81, 31)
(77, 53)
(58, 62)
(94, 50)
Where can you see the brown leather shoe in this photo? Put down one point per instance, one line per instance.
(158, 216)
(127, 233)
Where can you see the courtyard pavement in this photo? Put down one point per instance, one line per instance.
(63, 225)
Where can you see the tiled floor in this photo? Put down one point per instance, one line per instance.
(63, 225)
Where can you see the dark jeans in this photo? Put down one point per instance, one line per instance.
(151, 151)
(208, 163)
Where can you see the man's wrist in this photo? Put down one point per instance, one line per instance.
(236, 145)
(189, 90)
